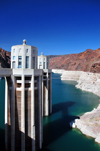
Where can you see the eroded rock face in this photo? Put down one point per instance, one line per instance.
(89, 124)
(89, 82)
(88, 60)
(71, 75)
(5, 57)
(59, 71)
(95, 68)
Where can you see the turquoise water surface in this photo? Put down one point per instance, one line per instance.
(67, 104)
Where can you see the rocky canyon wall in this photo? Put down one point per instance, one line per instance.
(89, 124)
(88, 61)
(5, 57)
(87, 81)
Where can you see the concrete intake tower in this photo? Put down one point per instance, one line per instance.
(28, 97)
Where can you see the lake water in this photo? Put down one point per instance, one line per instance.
(67, 103)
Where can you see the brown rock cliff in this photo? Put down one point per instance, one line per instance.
(5, 57)
(88, 60)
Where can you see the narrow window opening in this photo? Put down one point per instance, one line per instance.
(33, 62)
(43, 65)
(13, 57)
(19, 61)
(26, 50)
(27, 61)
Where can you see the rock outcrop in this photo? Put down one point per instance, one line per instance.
(5, 57)
(95, 68)
(88, 61)
(89, 124)
(89, 82)
(71, 75)
(59, 71)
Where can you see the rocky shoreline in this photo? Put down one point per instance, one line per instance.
(89, 123)
(87, 81)
(59, 71)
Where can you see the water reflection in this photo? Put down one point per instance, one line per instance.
(56, 129)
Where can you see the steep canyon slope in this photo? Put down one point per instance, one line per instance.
(88, 60)
(4, 58)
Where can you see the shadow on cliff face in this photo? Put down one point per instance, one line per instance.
(55, 129)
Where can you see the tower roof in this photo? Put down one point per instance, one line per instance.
(24, 42)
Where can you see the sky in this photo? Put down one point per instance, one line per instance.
(55, 27)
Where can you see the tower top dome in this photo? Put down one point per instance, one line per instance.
(24, 42)
(41, 53)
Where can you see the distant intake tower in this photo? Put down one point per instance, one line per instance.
(28, 97)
